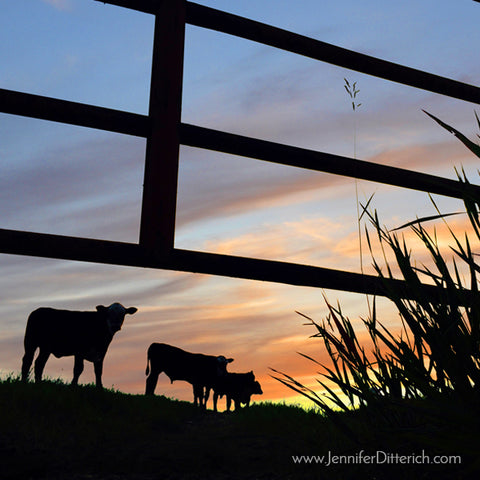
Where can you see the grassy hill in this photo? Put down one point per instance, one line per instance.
(54, 431)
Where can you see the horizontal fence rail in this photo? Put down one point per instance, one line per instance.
(276, 37)
(242, 27)
(190, 135)
(323, 162)
(72, 113)
(134, 255)
(162, 124)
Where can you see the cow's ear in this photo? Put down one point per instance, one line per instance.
(130, 310)
(100, 308)
(229, 360)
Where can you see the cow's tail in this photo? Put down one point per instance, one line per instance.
(147, 370)
(30, 343)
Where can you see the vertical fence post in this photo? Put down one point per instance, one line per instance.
(157, 228)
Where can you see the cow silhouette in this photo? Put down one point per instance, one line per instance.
(85, 335)
(238, 387)
(196, 368)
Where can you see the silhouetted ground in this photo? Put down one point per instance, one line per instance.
(55, 432)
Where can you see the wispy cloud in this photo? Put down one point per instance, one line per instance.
(74, 189)
(59, 4)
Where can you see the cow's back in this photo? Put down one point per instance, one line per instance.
(179, 364)
(65, 332)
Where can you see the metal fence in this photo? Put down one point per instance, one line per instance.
(164, 133)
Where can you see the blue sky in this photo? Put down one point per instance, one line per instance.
(76, 181)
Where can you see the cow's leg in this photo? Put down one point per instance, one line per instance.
(40, 364)
(229, 403)
(206, 396)
(198, 395)
(77, 369)
(215, 400)
(151, 382)
(98, 368)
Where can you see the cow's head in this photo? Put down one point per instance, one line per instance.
(222, 363)
(250, 387)
(257, 388)
(115, 314)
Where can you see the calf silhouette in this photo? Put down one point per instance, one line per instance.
(85, 335)
(196, 368)
(238, 387)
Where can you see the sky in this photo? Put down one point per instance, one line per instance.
(69, 180)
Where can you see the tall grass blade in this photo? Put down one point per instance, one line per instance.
(468, 143)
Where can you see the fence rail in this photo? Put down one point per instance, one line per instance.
(207, 17)
(80, 114)
(194, 136)
(164, 133)
(231, 24)
(134, 255)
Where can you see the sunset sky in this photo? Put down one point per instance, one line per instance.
(76, 181)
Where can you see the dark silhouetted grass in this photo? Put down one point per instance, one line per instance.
(423, 384)
(55, 431)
